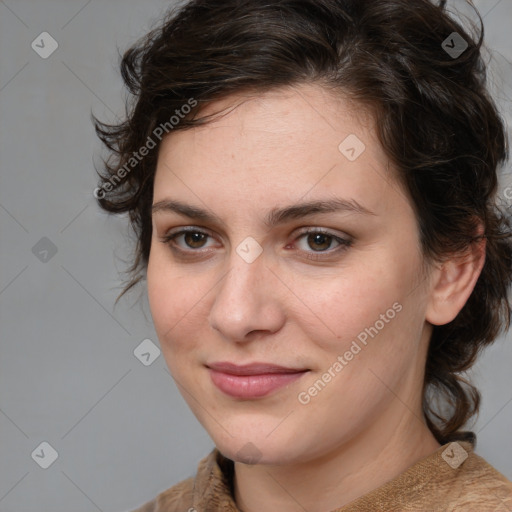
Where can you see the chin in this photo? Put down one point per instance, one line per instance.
(255, 449)
(250, 453)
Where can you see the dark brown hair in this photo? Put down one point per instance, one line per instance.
(434, 119)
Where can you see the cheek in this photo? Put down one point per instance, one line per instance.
(171, 298)
(336, 310)
(179, 305)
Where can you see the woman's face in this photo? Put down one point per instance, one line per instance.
(300, 257)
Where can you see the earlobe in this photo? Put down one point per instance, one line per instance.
(453, 282)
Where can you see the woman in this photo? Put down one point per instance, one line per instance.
(313, 188)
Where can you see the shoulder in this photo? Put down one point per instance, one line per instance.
(452, 479)
(210, 483)
(479, 486)
(177, 498)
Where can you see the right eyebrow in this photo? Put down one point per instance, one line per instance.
(193, 212)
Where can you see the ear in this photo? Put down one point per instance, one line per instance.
(454, 280)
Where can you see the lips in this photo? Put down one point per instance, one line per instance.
(253, 380)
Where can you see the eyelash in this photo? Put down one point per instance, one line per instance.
(170, 238)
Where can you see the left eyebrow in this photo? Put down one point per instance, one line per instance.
(281, 215)
(275, 217)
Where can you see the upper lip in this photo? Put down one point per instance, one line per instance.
(252, 368)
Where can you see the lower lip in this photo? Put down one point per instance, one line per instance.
(252, 386)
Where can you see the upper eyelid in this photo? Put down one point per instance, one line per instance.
(194, 227)
(186, 229)
(325, 231)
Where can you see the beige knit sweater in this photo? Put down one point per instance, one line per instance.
(452, 479)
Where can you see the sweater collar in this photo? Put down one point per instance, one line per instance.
(214, 484)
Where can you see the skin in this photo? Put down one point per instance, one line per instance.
(208, 304)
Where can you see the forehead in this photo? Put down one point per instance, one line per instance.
(280, 145)
(295, 111)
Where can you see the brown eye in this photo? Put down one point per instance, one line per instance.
(319, 241)
(317, 244)
(187, 240)
(194, 239)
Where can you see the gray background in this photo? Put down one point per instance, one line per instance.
(68, 374)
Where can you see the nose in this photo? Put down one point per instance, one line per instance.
(246, 303)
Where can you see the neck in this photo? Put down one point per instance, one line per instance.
(340, 476)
